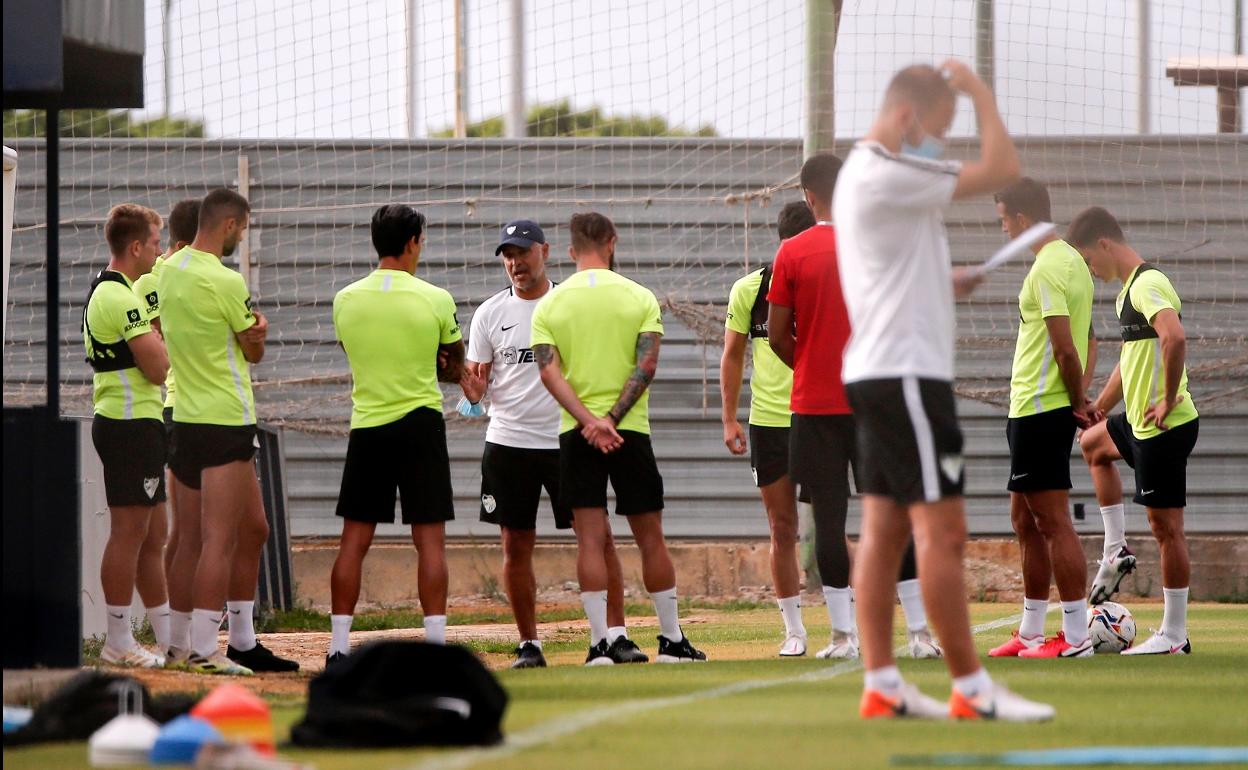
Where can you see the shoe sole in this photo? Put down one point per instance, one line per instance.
(675, 659)
(600, 662)
(1124, 569)
(801, 654)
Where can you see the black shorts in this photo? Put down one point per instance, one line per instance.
(1040, 450)
(632, 470)
(769, 457)
(908, 439)
(197, 446)
(511, 486)
(167, 413)
(133, 455)
(408, 455)
(1160, 462)
(823, 451)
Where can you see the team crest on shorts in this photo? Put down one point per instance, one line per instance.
(952, 466)
(150, 486)
(488, 503)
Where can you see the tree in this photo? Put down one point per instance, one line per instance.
(559, 119)
(117, 124)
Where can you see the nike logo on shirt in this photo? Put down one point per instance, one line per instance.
(1148, 492)
(509, 328)
(1018, 476)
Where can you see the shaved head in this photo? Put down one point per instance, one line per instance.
(920, 86)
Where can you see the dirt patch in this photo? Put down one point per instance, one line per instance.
(309, 648)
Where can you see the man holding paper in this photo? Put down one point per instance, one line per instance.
(1053, 364)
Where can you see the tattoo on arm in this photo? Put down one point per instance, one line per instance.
(648, 344)
(544, 355)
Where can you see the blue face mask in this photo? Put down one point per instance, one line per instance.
(930, 147)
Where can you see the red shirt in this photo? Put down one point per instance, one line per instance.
(805, 277)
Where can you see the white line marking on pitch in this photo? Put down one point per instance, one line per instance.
(561, 727)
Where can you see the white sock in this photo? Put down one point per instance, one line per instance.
(1075, 621)
(1033, 618)
(840, 608)
(242, 629)
(886, 679)
(669, 617)
(535, 642)
(1174, 617)
(595, 604)
(911, 597)
(159, 618)
(340, 639)
(613, 633)
(205, 624)
(180, 630)
(120, 634)
(435, 629)
(1115, 518)
(791, 611)
(973, 684)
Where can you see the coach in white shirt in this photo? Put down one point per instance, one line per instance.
(522, 442)
(899, 287)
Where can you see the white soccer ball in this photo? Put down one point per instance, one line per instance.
(1111, 627)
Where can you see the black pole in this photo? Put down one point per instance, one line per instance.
(53, 192)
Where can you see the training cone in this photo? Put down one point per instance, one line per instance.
(240, 715)
(181, 740)
(127, 739)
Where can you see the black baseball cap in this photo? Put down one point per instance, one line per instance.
(520, 232)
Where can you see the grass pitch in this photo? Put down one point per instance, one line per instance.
(737, 712)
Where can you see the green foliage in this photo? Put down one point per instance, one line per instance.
(113, 124)
(559, 119)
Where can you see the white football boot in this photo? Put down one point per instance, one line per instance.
(1000, 704)
(1160, 644)
(844, 645)
(922, 645)
(794, 646)
(135, 657)
(1110, 574)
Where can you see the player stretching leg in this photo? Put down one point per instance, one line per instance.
(393, 327)
(808, 328)
(596, 340)
(899, 287)
(771, 385)
(1053, 364)
(130, 363)
(522, 442)
(1158, 430)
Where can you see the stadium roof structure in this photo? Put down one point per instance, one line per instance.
(1228, 73)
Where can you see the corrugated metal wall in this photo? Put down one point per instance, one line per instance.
(686, 233)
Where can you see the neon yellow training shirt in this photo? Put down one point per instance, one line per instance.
(203, 305)
(149, 298)
(1141, 363)
(593, 319)
(1058, 284)
(114, 314)
(771, 384)
(391, 324)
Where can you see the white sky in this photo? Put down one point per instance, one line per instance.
(280, 68)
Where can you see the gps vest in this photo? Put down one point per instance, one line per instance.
(758, 311)
(1131, 322)
(113, 356)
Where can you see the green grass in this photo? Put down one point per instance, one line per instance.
(1105, 700)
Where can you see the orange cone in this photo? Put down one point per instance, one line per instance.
(240, 715)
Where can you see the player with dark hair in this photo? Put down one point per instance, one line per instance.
(771, 384)
(1155, 434)
(596, 339)
(808, 328)
(1053, 363)
(213, 335)
(129, 363)
(899, 287)
(394, 326)
(522, 442)
(168, 625)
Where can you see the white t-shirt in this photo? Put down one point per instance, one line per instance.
(895, 267)
(523, 414)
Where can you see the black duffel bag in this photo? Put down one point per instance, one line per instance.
(403, 694)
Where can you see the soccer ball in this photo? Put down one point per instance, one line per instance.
(1111, 627)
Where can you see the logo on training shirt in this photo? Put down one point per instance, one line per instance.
(952, 466)
(247, 304)
(514, 355)
(509, 328)
(133, 319)
(152, 299)
(132, 315)
(150, 486)
(487, 501)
